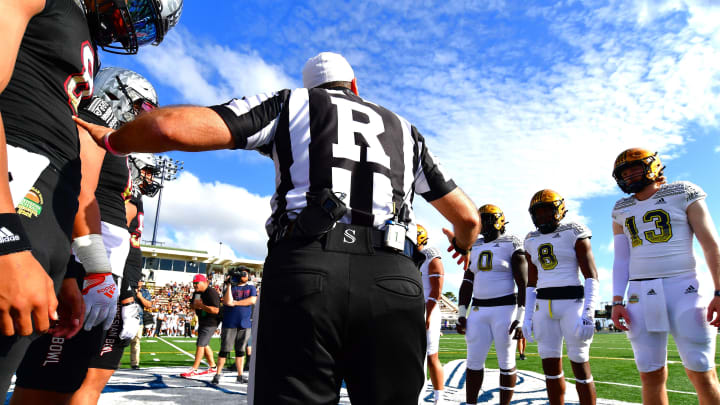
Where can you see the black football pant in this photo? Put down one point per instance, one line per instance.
(48, 219)
(328, 316)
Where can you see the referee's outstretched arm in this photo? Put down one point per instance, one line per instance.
(184, 128)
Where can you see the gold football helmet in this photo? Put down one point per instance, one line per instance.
(650, 162)
(547, 198)
(492, 215)
(422, 236)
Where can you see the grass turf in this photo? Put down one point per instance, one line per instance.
(611, 361)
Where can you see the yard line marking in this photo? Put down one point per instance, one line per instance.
(634, 386)
(181, 350)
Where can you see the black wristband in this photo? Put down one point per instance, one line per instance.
(13, 238)
(717, 293)
(459, 249)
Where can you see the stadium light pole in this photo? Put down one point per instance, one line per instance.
(168, 169)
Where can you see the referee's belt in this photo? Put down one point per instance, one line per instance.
(359, 239)
(510, 299)
(561, 293)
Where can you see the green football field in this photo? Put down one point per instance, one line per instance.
(612, 363)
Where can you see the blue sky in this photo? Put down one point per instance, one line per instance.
(511, 96)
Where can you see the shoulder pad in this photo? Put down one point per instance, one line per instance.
(575, 227)
(517, 243)
(532, 234)
(624, 203)
(431, 253)
(685, 188)
(670, 189)
(479, 242)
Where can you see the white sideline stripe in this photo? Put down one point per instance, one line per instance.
(188, 354)
(635, 386)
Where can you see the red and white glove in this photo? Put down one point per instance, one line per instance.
(101, 296)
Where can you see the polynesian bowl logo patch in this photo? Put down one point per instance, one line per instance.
(32, 205)
(633, 299)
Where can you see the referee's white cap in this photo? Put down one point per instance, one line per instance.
(326, 67)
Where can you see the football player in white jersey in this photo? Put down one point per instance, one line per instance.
(653, 230)
(497, 264)
(565, 309)
(432, 277)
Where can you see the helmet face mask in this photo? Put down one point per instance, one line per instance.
(144, 172)
(547, 209)
(631, 180)
(123, 26)
(492, 219)
(422, 236)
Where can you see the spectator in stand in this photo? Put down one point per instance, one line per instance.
(142, 298)
(194, 324)
(159, 321)
(188, 325)
(149, 319)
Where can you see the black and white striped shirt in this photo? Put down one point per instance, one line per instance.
(370, 157)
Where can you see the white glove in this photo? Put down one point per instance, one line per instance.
(131, 320)
(585, 327)
(101, 295)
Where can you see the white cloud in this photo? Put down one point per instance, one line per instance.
(207, 73)
(199, 215)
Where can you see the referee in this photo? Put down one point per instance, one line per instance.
(341, 297)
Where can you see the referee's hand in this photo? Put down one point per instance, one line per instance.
(27, 295)
(463, 259)
(97, 132)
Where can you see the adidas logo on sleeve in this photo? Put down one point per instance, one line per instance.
(7, 236)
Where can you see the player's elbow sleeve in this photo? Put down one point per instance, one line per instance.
(621, 264)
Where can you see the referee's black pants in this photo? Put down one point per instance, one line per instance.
(328, 316)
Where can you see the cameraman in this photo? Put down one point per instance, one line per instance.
(238, 299)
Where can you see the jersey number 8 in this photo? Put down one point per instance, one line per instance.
(547, 257)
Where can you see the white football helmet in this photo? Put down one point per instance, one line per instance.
(127, 92)
(144, 169)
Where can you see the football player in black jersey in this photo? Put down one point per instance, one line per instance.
(106, 186)
(129, 94)
(47, 64)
